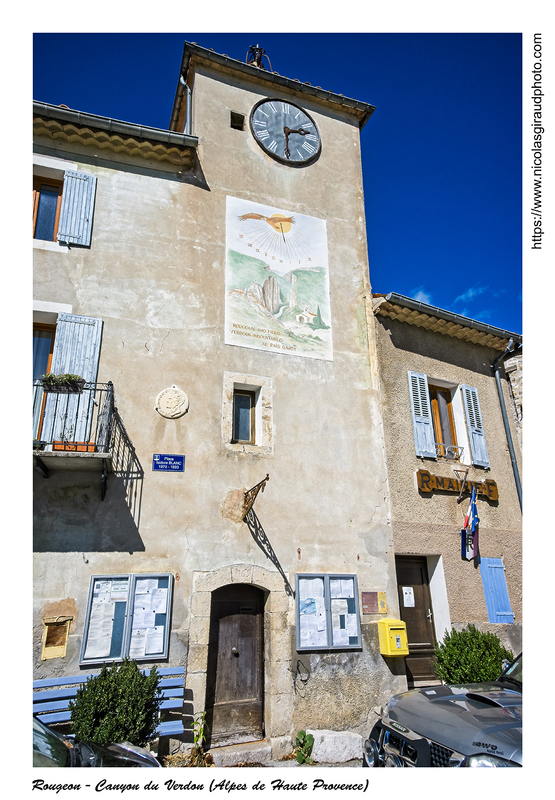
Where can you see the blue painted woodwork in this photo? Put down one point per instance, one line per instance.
(51, 704)
(498, 604)
(76, 213)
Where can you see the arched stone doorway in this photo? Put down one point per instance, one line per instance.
(278, 688)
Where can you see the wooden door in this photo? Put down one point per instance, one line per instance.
(235, 679)
(416, 612)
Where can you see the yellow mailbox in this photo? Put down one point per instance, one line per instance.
(393, 637)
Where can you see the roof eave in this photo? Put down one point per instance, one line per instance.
(363, 111)
(114, 126)
(489, 334)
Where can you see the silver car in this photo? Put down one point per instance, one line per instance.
(471, 725)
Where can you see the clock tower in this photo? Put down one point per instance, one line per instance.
(276, 226)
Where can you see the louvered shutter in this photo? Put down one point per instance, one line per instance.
(424, 438)
(475, 428)
(76, 213)
(498, 604)
(76, 351)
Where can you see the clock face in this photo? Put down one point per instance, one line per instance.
(285, 132)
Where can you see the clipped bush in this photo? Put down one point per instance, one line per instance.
(470, 656)
(120, 704)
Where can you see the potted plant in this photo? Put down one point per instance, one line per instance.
(65, 383)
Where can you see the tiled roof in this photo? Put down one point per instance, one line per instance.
(153, 144)
(412, 312)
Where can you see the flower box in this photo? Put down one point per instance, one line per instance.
(86, 447)
(73, 387)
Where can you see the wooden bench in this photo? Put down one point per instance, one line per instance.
(51, 698)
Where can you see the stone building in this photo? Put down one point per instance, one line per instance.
(215, 494)
(444, 433)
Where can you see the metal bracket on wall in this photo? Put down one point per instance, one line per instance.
(462, 475)
(251, 494)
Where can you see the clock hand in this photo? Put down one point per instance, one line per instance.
(287, 131)
(282, 233)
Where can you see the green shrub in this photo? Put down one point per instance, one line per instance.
(470, 656)
(120, 704)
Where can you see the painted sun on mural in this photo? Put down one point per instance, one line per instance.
(277, 281)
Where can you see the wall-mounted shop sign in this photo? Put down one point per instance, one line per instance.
(430, 483)
(162, 462)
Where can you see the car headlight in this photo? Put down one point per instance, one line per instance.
(485, 760)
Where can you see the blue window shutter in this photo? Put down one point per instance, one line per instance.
(76, 351)
(76, 213)
(475, 428)
(424, 438)
(495, 590)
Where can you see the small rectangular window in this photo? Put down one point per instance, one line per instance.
(127, 616)
(237, 121)
(47, 201)
(244, 404)
(327, 612)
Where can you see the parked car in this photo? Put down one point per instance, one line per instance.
(471, 725)
(50, 749)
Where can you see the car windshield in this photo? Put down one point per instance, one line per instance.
(514, 671)
(49, 749)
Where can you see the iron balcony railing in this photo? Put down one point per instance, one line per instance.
(449, 451)
(80, 421)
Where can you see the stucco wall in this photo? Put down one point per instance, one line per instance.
(155, 274)
(430, 524)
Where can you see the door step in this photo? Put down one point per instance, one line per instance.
(247, 753)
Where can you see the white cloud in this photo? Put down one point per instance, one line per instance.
(470, 294)
(421, 296)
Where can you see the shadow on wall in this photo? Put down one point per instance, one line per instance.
(70, 516)
(259, 535)
(438, 347)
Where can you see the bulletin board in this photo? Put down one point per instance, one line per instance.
(327, 612)
(127, 616)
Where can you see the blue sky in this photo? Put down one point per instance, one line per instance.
(441, 154)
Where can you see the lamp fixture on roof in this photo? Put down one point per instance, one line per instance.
(255, 55)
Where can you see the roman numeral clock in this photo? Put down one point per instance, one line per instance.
(285, 132)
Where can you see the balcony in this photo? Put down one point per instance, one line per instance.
(73, 430)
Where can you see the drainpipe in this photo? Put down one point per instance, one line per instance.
(188, 94)
(509, 349)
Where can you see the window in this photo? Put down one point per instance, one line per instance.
(498, 604)
(247, 414)
(444, 423)
(72, 346)
(127, 615)
(47, 202)
(439, 412)
(63, 202)
(237, 121)
(328, 615)
(244, 404)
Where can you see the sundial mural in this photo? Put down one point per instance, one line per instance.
(277, 281)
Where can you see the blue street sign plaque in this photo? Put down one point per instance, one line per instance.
(163, 462)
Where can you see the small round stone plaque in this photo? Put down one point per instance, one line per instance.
(172, 403)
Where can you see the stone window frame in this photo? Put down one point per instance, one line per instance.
(263, 390)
